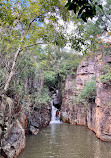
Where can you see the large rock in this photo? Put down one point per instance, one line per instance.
(14, 123)
(97, 116)
(64, 117)
(39, 117)
(14, 142)
(12, 131)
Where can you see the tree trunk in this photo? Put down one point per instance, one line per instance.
(12, 69)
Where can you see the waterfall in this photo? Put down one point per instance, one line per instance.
(54, 118)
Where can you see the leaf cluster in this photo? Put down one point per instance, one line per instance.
(83, 8)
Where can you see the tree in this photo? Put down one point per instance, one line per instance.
(22, 25)
(103, 17)
(25, 24)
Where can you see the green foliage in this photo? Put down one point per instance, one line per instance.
(107, 74)
(84, 9)
(106, 77)
(88, 93)
(87, 41)
(56, 64)
(36, 99)
(43, 97)
(2, 78)
(28, 20)
(24, 76)
(50, 79)
(38, 22)
(77, 42)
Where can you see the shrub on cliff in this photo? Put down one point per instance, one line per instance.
(88, 93)
(106, 77)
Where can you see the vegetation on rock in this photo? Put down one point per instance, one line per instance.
(106, 77)
(87, 94)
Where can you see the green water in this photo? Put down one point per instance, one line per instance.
(65, 141)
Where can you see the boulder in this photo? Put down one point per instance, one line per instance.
(14, 143)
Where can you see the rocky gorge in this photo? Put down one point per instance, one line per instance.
(16, 121)
(96, 114)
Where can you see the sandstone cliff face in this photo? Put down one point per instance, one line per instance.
(15, 122)
(12, 129)
(97, 116)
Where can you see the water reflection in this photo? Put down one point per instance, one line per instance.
(66, 141)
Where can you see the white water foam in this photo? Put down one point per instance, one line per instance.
(54, 118)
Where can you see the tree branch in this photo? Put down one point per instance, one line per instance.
(28, 46)
(35, 19)
(13, 66)
(31, 23)
(17, 54)
(108, 18)
(35, 45)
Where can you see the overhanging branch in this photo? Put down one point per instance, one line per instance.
(31, 45)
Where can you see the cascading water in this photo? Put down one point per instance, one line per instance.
(54, 118)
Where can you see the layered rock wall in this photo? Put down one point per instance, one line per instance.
(15, 122)
(97, 116)
(12, 129)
